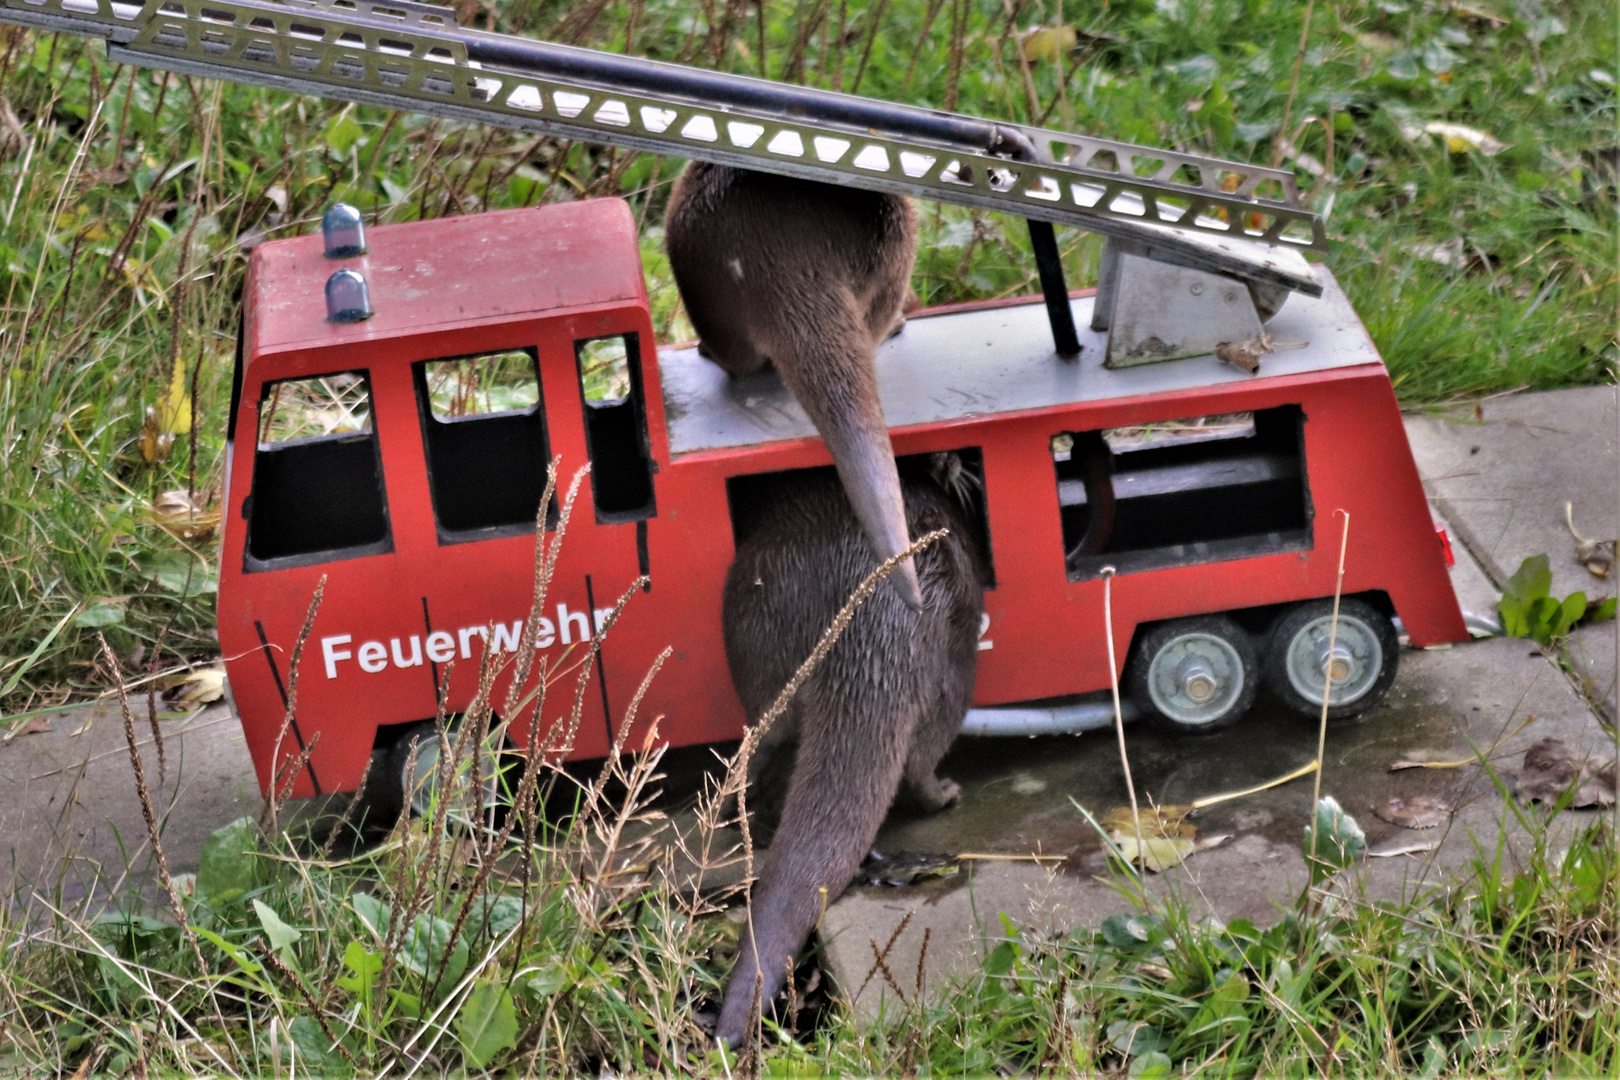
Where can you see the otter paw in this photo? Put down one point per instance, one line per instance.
(941, 793)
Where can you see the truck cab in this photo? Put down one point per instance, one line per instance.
(401, 460)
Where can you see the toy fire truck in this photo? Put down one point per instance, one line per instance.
(399, 392)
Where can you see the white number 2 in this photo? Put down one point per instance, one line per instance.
(984, 628)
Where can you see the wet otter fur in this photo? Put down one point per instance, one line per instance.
(808, 277)
(874, 718)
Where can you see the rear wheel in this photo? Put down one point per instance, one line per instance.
(1195, 675)
(412, 774)
(1365, 655)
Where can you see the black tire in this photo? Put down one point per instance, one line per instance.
(381, 799)
(1174, 663)
(423, 738)
(1366, 640)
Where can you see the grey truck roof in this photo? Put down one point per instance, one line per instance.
(973, 363)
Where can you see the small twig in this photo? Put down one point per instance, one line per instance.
(1108, 573)
(881, 956)
(1327, 685)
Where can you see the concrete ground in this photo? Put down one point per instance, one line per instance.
(72, 826)
(71, 823)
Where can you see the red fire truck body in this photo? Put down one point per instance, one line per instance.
(416, 522)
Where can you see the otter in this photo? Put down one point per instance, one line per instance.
(810, 278)
(876, 715)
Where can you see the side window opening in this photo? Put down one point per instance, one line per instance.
(616, 427)
(317, 473)
(1201, 489)
(960, 473)
(484, 431)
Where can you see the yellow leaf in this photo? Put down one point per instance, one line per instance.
(198, 687)
(1157, 852)
(153, 442)
(174, 406)
(1156, 821)
(1046, 42)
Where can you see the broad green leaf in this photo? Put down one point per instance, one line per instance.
(280, 934)
(1335, 842)
(424, 950)
(1153, 1065)
(314, 1048)
(1514, 622)
(229, 866)
(179, 573)
(1133, 1038)
(1124, 931)
(487, 1023)
(342, 133)
(1531, 581)
(365, 965)
(109, 612)
(1220, 1016)
(1604, 610)
(552, 977)
(372, 911)
(495, 915)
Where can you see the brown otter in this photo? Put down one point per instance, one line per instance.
(878, 713)
(809, 277)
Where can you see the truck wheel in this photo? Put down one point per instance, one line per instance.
(1365, 656)
(1195, 675)
(419, 785)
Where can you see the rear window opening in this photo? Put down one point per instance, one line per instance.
(616, 427)
(317, 475)
(484, 430)
(1202, 489)
(959, 472)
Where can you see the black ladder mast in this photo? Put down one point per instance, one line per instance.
(1227, 217)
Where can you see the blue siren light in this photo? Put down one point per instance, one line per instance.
(347, 298)
(344, 230)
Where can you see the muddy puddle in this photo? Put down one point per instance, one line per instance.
(1018, 795)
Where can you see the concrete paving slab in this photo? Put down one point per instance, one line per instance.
(70, 815)
(1016, 801)
(1501, 477)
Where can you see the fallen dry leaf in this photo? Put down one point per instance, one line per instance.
(1166, 820)
(34, 726)
(1402, 847)
(1550, 770)
(1157, 852)
(1167, 839)
(198, 687)
(185, 514)
(1417, 812)
(1245, 354)
(1596, 555)
(1429, 759)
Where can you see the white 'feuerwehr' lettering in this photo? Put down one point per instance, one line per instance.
(440, 646)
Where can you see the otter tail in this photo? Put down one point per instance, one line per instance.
(823, 347)
(851, 755)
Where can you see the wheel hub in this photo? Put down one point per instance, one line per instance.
(1195, 678)
(1351, 667)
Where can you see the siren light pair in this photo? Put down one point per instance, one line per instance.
(348, 300)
